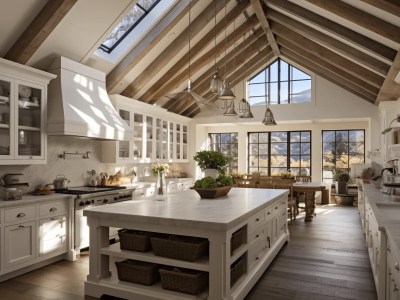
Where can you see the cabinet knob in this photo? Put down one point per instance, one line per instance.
(21, 226)
(268, 213)
(257, 235)
(21, 215)
(53, 209)
(388, 249)
(257, 219)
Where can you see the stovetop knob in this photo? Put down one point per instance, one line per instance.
(87, 202)
(81, 203)
(105, 200)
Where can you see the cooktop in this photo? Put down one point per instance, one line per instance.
(80, 190)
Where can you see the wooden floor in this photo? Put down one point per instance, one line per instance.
(325, 259)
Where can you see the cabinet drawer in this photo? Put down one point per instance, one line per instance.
(52, 208)
(19, 213)
(393, 260)
(256, 236)
(256, 221)
(256, 252)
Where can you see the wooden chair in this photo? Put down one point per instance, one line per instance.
(266, 183)
(300, 196)
(287, 184)
(248, 183)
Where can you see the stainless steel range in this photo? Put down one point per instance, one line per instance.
(87, 196)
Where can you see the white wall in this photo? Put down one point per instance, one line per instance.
(332, 108)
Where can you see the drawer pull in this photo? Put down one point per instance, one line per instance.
(396, 266)
(257, 258)
(257, 236)
(21, 226)
(388, 249)
(276, 207)
(395, 289)
(269, 242)
(258, 219)
(53, 209)
(21, 215)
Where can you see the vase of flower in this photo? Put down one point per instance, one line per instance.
(161, 186)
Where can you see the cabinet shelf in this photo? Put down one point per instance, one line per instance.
(4, 99)
(6, 126)
(238, 253)
(114, 250)
(28, 128)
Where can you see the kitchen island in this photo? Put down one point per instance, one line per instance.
(261, 214)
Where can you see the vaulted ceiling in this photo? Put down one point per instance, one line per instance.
(353, 44)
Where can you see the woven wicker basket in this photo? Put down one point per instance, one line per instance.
(238, 268)
(134, 240)
(179, 247)
(238, 238)
(137, 272)
(213, 193)
(184, 280)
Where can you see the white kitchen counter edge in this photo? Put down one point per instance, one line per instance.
(32, 199)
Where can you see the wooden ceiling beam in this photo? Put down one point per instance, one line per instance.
(263, 55)
(347, 34)
(361, 18)
(174, 47)
(259, 8)
(328, 55)
(304, 52)
(149, 41)
(390, 90)
(179, 72)
(325, 73)
(334, 44)
(390, 6)
(40, 28)
(234, 60)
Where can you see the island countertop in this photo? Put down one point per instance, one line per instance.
(186, 208)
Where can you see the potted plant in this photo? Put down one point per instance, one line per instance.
(209, 187)
(207, 159)
(341, 178)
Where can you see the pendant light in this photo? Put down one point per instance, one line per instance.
(216, 81)
(269, 119)
(244, 106)
(226, 93)
(230, 110)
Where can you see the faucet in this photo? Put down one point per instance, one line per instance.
(146, 172)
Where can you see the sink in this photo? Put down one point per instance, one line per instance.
(389, 211)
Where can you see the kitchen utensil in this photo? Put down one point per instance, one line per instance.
(13, 178)
(61, 183)
(92, 179)
(103, 179)
(13, 194)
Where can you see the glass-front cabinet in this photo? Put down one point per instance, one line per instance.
(159, 136)
(23, 98)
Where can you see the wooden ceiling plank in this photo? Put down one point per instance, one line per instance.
(174, 47)
(354, 37)
(257, 61)
(328, 65)
(361, 18)
(179, 72)
(390, 6)
(40, 28)
(328, 55)
(327, 74)
(330, 42)
(259, 11)
(390, 90)
(150, 40)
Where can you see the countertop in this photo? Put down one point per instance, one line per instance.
(389, 226)
(32, 199)
(186, 208)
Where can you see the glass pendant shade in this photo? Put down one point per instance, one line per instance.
(216, 84)
(230, 111)
(269, 119)
(226, 92)
(244, 110)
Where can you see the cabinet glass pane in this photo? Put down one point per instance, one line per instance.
(29, 142)
(4, 141)
(123, 149)
(137, 149)
(184, 154)
(29, 106)
(5, 137)
(125, 115)
(149, 128)
(149, 149)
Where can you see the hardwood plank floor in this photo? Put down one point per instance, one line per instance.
(325, 259)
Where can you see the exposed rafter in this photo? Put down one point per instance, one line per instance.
(40, 28)
(259, 8)
(390, 6)
(390, 90)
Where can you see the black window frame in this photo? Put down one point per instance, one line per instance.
(233, 165)
(288, 151)
(146, 12)
(268, 82)
(335, 146)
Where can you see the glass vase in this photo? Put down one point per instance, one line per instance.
(161, 186)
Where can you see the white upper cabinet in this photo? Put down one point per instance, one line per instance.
(158, 135)
(23, 100)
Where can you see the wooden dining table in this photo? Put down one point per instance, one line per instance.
(309, 189)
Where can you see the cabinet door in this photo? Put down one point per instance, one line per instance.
(184, 142)
(138, 133)
(159, 139)
(171, 141)
(6, 118)
(19, 244)
(178, 148)
(52, 235)
(149, 138)
(124, 147)
(30, 120)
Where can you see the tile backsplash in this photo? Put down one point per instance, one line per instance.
(73, 167)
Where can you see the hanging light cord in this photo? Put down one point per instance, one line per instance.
(234, 54)
(225, 37)
(248, 56)
(244, 64)
(190, 35)
(215, 33)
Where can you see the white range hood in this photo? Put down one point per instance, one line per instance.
(78, 104)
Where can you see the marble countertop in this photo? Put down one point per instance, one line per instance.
(186, 208)
(390, 226)
(32, 199)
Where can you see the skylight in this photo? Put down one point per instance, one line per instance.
(138, 12)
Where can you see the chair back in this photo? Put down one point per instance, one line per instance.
(266, 183)
(302, 178)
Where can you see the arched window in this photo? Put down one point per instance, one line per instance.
(282, 83)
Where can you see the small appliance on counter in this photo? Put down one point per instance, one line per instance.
(61, 183)
(13, 194)
(15, 186)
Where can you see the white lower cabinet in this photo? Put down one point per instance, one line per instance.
(52, 235)
(392, 271)
(20, 244)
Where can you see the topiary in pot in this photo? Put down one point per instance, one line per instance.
(207, 159)
(341, 178)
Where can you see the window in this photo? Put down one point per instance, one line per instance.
(340, 149)
(282, 83)
(134, 17)
(227, 143)
(272, 153)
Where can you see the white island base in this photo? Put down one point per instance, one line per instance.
(261, 213)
